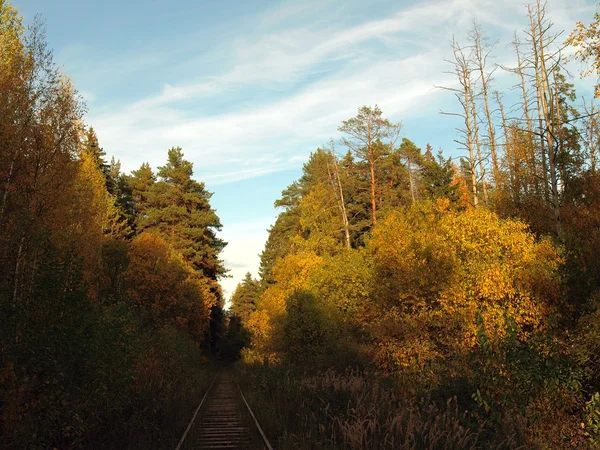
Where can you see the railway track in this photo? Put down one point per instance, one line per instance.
(224, 420)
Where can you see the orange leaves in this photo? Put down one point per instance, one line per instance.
(292, 273)
(440, 269)
(586, 41)
(159, 280)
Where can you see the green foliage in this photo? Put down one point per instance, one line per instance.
(437, 178)
(178, 209)
(245, 298)
(592, 419)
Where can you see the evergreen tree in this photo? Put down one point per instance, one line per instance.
(245, 297)
(368, 135)
(139, 183)
(437, 177)
(92, 147)
(179, 210)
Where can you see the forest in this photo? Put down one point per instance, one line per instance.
(407, 299)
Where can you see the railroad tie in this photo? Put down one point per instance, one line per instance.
(223, 425)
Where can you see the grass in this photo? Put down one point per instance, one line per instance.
(332, 410)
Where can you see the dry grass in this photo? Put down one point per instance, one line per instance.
(351, 411)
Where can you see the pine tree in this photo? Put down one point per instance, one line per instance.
(179, 210)
(437, 177)
(139, 183)
(368, 136)
(245, 297)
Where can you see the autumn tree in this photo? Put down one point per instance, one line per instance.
(166, 286)
(586, 39)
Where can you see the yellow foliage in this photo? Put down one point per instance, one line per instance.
(292, 274)
(159, 280)
(439, 269)
(86, 213)
(11, 35)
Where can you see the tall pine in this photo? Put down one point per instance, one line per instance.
(178, 209)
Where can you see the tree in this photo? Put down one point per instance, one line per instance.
(167, 288)
(481, 54)
(245, 298)
(139, 182)
(545, 62)
(464, 94)
(591, 134)
(278, 244)
(179, 210)
(335, 178)
(91, 146)
(537, 173)
(412, 154)
(437, 178)
(365, 132)
(586, 40)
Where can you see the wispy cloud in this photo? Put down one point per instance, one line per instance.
(259, 102)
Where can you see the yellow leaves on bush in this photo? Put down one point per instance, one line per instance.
(159, 280)
(500, 266)
(442, 268)
(413, 261)
(292, 274)
(343, 283)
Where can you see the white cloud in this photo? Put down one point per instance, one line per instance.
(308, 78)
(245, 243)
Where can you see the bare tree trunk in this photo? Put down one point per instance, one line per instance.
(339, 194)
(591, 132)
(462, 70)
(539, 30)
(506, 137)
(526, 111)
(410, 180)
(480, 59)
(539, 97)
(478, 147)
(469, 132)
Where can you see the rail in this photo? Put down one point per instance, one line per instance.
(189, 427)
(223, 425)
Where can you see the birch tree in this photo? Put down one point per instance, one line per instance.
(334, 175)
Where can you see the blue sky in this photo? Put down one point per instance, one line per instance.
(249, 88)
